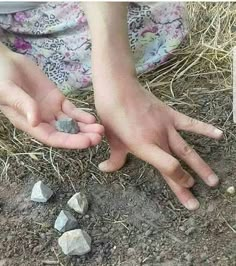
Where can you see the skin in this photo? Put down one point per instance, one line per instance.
(33, 104)
(135, 120)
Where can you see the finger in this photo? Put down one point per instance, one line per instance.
(94, 138)
(165, 163)
(183, 122)
(186, 153)
(91, 128)
(184, 195)
(47, 134)
(70, 109)
(117, 157)
(13, 96)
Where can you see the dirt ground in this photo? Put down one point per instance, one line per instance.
(133, 218)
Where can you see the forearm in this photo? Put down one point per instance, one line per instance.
(111, 53)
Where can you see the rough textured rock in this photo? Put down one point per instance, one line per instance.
(41, 192)
(65, 221)
(78, 203)
(231, 190)
(75, 242)
(67, 125)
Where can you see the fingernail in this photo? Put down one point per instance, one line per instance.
(213, 180)
(192, 204)
(218, 132)
(102, 166)
(190, 182)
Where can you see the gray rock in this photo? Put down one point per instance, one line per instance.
(189, 257)
(67, 125)
(231, 190)
(190, 230)
(3, 262)
(78, 203)
(75, 242)
(65, 221)
(41, 192)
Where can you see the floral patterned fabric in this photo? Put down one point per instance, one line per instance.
(56, 36)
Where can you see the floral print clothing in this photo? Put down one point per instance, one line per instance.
(56, 36)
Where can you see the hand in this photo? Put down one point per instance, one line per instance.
(33, 104)
(137, 122)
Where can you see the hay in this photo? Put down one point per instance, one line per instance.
(207, 51)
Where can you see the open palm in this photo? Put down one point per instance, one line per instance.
(33, 104)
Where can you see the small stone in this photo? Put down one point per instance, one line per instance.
(41, 192)
(189, 231)
(65, 221)
(182, 228)
(189, 257)
(131, 251)
(75, 242)
(78, 203)
(104, 230)
(203, 256)
(67, 125)
(231, 190)
(3, 262)
(148, 233)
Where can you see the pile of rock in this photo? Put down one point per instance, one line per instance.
(73, 241)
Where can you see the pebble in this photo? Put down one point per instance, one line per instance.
(78, 203)
(182, 228)
(67, 125)
(41, 192)
(104, 230)
(65, 221)
(189, 257)
(148, 233)
(75, 242)
(190, 231)
(131, 251)
(231, 190)
(3, 262)
(203, 256)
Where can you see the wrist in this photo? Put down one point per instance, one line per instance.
(112, 60)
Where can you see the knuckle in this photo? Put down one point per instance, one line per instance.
(173, 168)
(192, 122)
(17, 104)
(183, 178)
(185, 150)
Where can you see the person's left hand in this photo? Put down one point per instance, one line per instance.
(33, 104)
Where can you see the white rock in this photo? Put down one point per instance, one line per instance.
(231, 190)
(75, 242)
(78, 203)
(41, 192)
(65, 221)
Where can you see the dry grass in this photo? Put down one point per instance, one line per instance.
(207, 51)
(206, 56)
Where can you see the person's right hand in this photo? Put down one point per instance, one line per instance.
(137, 122)
(33, 104)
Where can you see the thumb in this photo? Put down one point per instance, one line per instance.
(16, 98)
(116, 161)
